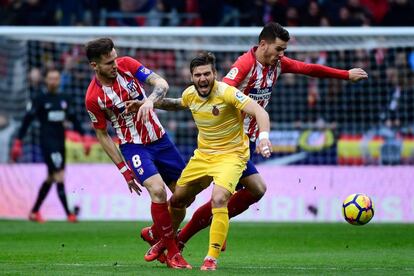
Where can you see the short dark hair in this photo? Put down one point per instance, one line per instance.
(273, 30)
(98, 47)
(203, 58)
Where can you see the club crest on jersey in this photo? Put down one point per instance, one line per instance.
(215, 111)
(232, 73)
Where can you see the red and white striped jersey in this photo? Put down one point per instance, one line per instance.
(108, 103)
(257, 80)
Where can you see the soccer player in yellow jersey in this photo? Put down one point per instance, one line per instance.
(223, 147)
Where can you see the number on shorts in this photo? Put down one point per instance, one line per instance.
(136, 161)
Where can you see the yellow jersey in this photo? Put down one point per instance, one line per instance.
(218, 119)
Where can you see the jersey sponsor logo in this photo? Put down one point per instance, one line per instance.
(132, 86)
(56, 115)
(93, 117)
(29, 106)
(215, 111)
(232, 74)
(240, 96)
(260, 94)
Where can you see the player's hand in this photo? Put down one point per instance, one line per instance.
(87, 142)
(357, 74)
(133, 106)
(144, 110)
(130, 178)
(265, 147)
(17, 150)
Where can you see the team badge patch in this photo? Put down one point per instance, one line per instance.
(93, 117)
(145, 71)
(240, 96)
(215, 111)
(232, 74)
(140, 171)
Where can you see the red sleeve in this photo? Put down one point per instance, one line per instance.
(313, 70)
(95, 113)
(129, 64)
(238, 71)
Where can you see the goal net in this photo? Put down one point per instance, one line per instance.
(314, 121)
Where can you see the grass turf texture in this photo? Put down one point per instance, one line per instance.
(60, 248)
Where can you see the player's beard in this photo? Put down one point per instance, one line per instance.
(210, 87)
(110, 76)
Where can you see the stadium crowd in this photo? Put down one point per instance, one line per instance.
(289, 13)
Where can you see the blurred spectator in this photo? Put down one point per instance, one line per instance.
(35, 82)
(211, 12)
(274, 10)
(33, 13)
(377, 8)
(400, 14)
(292, 17)
(313, 15)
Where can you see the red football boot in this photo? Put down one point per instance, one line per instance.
(36, 217)
(209, 264)
(177, 261)
(155, 251)
(147, 235)
(72, 218)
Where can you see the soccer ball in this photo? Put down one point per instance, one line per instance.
(358, 209)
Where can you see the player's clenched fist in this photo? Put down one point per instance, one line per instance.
(264, 146)
(357, 74)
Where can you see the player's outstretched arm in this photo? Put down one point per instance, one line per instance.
(160, 90)
(112, 150)
(262, 118)
(357, 74)
(165, 104)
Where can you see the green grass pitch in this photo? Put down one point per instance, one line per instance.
(98, 248)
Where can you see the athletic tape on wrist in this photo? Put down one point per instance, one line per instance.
(263, 135)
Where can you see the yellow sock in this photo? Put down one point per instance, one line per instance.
(218, 231)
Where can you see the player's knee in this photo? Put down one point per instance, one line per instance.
(176, 203)
(259, 190)
(158, 193)
(219, 200)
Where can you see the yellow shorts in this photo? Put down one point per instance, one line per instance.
(224, 169)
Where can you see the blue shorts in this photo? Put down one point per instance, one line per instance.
(250, 167)
(158, 157)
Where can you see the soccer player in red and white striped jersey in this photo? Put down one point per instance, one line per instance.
(255, 73)
(148, 156)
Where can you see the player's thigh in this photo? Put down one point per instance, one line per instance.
(156, 188)
(169, 162)
(196, 171)
(255, 184)
(185, 194)
(227, 170)
(139, 160)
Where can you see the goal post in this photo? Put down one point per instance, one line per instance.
(313, 121)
